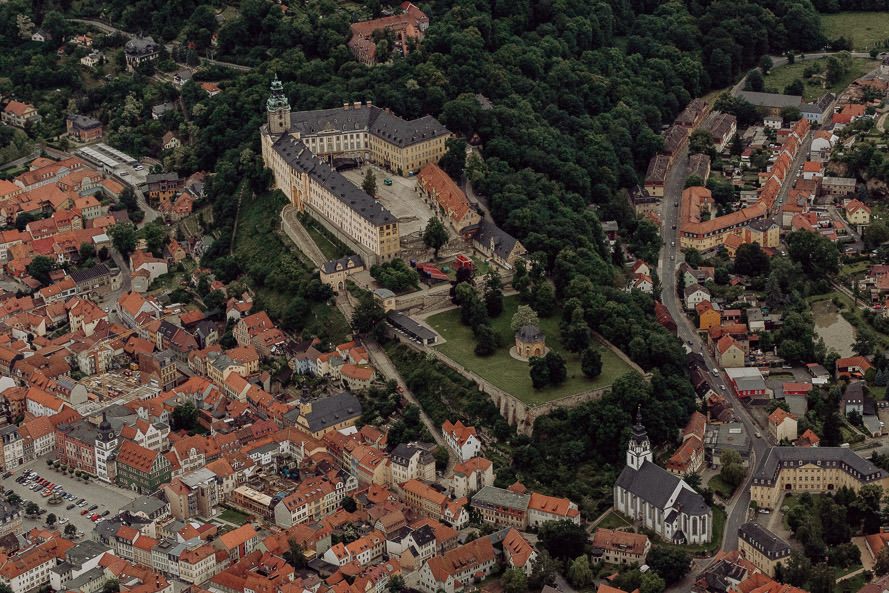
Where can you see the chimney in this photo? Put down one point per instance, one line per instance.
(357, 104)
(345, 107)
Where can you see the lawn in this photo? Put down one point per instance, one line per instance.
(233, 516)
(512, 375)
(862, 29)
(720, 486)
(614, 520)
(782, 76)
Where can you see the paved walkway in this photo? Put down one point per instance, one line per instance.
(300, 236)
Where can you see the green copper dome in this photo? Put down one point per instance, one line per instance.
(277, 101)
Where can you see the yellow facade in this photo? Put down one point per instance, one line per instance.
(808, 477)
(709, 318)
(759, 560)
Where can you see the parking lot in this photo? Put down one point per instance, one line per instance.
(107, 497)
(400, 198)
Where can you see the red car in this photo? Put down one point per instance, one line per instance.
(95, 517)
(84, 512)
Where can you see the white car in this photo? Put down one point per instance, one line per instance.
(63, 520)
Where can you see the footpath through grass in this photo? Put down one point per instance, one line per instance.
(513, 375)
(864, 30)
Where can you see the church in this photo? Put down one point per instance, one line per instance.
(659, 500)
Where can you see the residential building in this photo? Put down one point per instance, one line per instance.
(620, 547)
(30, 568)
(857, 213)
(730, 354)
(806, 469)
(497, 245)
(141, 469)
(140, 49)
(84, 128)
(458, 569)
(463, 440)
(17, 114)
(762, 547)
(470, 476)
(656, 175)
(662, 502)
(335, 412)
(694, 294)
(449, 199)
(782, 425)
(408, 461)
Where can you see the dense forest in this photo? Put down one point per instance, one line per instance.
(580, 91)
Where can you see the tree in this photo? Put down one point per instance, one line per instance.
(435, 235)
(87, 250)
(13, 499)
(544, 299)
(751, 260)
(558, 371)
(795, 88)
(875, 234)
(40, 267)
(670, 563)
(754, 81)
(563, 538)
(369, 185)
(349, 505)
(514, 580)
(539, 370)
(70, 530)
(694, 181)
(123, 237)
(700, 141)
(732, 471)
(523, 316)
(214, 300)
(51, 519)
(487, 340)
(765, 64)
(31, 508)
(822, 579)
(111, 586)
(651, 583)
(442, 457)
(881, 566)
(790, 113)
(591, 362)
(493, 294)
(577, 336)
(453, 162)
(580, 573)
(296, 555)
(184, 416)
(368, 314)
(543, 570)
(396, 584)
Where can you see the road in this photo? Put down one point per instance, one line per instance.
(169, 46)
(22, 160)
(670, 258)
(150, 213)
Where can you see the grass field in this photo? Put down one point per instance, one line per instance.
(233, 516)
(614, 520)
(864, 29)
(720, 486)
(782, 76)
(512, 375)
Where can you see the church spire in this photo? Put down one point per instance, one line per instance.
(278, 108)
(639, 448)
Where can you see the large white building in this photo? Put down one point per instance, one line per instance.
(661, 501)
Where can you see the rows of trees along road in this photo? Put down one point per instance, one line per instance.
(579, 90)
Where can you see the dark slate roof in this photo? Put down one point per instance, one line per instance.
(90, 273)
(494, 238)
(372, 119)
(329, 267)
(402, 321)
(83, 122)
(403, 453)
(157, 177)
(162, 108)
(529, 333)
(141, 46)
(846, 457)
(650, 482)
(763, 540)
(423, 535)
(771, 99)
(854, 393)
(299, 157)
(691, 503)
(328, 411)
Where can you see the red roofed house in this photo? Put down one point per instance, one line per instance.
(854, 366)
(796, 388)
(458, 569)
(450, 198)
(462, 439)
(238, 542)
(518, 552)
(731, 355)
(141, 469)
(808, 439)
(17, 114)
(857, 213)
(150, 266)
(622, 547)
(210, 88)
(782, 425)
(542, 508)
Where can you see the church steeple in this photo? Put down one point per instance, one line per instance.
(639, 449)
(106, 432)
(278, 108)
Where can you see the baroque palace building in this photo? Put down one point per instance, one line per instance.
(302, 149)
(821, 469)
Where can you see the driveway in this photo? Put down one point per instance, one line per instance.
(110, 498)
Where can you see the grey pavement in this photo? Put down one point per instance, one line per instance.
(108, 497)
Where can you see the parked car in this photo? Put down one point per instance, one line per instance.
(387, 181)
(84, 512)
(93, 508)
(106, 513)
(70, 506)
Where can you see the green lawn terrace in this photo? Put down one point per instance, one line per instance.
(513, 375)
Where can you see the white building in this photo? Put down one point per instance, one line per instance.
(463, 440)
